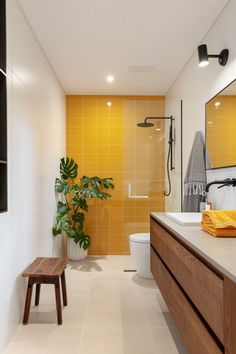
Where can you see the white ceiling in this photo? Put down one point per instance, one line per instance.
(143, 43)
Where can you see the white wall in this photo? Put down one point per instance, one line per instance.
(36, 141)
(195, 86)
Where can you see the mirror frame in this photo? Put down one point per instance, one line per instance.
(215, 168)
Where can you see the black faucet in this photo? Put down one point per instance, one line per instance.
(224, 183)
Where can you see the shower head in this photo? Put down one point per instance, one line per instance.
(169, 162)
(145, 125)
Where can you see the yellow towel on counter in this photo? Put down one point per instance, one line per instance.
(219, 222)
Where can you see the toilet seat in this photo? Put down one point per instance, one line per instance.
(140, 237)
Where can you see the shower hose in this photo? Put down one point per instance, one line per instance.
(168, 172)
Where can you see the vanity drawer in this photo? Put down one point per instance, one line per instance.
(196, 335)
(200, 283)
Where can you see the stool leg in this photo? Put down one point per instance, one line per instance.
(63, 286)
(58, 300)
(37, 294)
(28, 301)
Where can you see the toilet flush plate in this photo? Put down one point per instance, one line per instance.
(186, 219)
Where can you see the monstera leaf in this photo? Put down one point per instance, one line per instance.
(72, 201)
(107, 183)
(96, 182)
(78, 217)
(62, 209)
(68, 168)
(56, 231)
(83, 240)
(60, 185)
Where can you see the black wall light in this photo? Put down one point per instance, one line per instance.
(203, 56)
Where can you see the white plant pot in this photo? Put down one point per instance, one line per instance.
(74, 251)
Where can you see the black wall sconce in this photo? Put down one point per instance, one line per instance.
(203, 56)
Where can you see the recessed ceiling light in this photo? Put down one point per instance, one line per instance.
(110, 78)
(109, 104)
(217, 104)
(158, 129)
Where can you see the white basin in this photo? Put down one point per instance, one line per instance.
(187, 219)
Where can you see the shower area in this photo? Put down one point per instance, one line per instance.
(143, 165)
(104, 139)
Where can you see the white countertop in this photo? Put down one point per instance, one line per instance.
(219, 252)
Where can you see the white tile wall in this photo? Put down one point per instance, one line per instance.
(36, 141)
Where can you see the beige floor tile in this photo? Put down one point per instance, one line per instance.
(104, 287)
(77, 300)
(163, 341)
(30, 339)
(145, 286)
(150, 300)
(154, 314)
(63, 340)
(161, 302)
(102, 340)
(23, 348)
(109, 312)
(101, 263)
(129, 295)
(107, 301)
(137, 340)
(73, 317)
(34, 333)
(128, 263)
(155, 318)
(43, 314)
(133, 316)
(105, 316)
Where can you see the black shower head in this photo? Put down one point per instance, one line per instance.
(145, 125)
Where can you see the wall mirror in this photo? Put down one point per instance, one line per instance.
(221, 129)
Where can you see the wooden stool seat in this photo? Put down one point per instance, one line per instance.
(46, 271)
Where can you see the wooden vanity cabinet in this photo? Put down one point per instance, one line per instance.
(202, 300)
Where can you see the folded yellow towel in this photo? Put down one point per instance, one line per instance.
(219, 222)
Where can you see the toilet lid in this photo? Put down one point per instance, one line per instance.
(140, 237)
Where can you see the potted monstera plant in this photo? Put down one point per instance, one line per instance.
(72, 205)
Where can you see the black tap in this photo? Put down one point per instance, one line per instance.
(224, 183)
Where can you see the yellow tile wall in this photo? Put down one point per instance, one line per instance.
(221, 131)
(107, 142)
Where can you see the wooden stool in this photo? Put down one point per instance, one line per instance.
(46, 271)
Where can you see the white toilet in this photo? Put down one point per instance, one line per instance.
(140, 252)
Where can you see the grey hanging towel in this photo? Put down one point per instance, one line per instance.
(195, 177)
